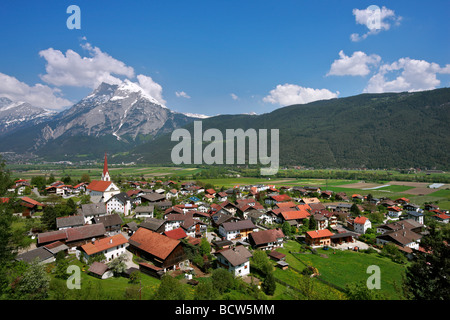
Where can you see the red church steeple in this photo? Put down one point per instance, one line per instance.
(105, 174)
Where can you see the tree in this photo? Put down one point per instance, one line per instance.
(269, 284)
(72, 205)
(5, 178)
(118, 265)
(360, 291)
(222, 280)
(170, 289)
(428, 277)
(39, 182)
(205, 290)
(312, 223)
(286, 228)
(35, 282)
(355, 209)
(261, 262)
(85, 178)
(205, 247)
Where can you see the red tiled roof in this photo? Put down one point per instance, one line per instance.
(319, 233)
(360, 220)
(176, 234)
(154, 243)
(97, 185)
(31, 201)
(281, 197)
(104, 244)
(293, 215)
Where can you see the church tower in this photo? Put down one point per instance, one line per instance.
(105, 174)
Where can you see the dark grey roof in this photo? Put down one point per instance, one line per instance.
(70, 221)
(40, 253)
(91, 209)
(236, 256)
(152, 224)
(144, 209)
(238, 225)
(98, 268)
(122, 197)
(109, 220)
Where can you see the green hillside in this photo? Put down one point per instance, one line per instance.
(394, 130)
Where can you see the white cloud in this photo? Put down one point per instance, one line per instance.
(71, 69)
(289, 94)
(375, 19)
(356, 65)
(151, 87)
(182, 94)
(409, 75)
(234, 97)
(38, 95)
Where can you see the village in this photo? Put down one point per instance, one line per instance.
(163, 227)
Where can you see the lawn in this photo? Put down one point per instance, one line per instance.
(345, 267)
(112, 288)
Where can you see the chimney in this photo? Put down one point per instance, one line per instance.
(110, 240)
(93, 240)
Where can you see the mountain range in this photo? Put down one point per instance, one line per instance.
(387, 130)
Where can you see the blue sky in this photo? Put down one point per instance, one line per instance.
(218, 57)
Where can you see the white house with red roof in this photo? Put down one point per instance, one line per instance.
(361, 224)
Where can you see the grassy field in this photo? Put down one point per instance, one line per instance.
(344, 267)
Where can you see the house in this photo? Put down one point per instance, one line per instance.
(394, 212)
(30, 206)
(153, 224)
(266, 239)
(274, 199)
(219, 218)
(237, 230)
(72, 237)
(69, 222)
(441, 217)
(45, 254)
(152, 198)
(172, 193)
(176, 234)
(111, 247)
(361, 224)
(81, 187)
(400, 225)
(402, 201)
(144, 212)
(119, 203)
(310, 200)
(92, 210)
(101, 191)
(321, 220)
(100, 270)
(222, 196)
(164, 252)
(343, 237)
(112, 223)
(41, 254)
(405, 239)
(211, 192)
(260, 217)
(430, 206)
(417, 216)
(235, 260)
(357, 197)
(130, 227)
(295, 217)
(318, 237)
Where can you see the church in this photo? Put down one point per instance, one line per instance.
(102, 190)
